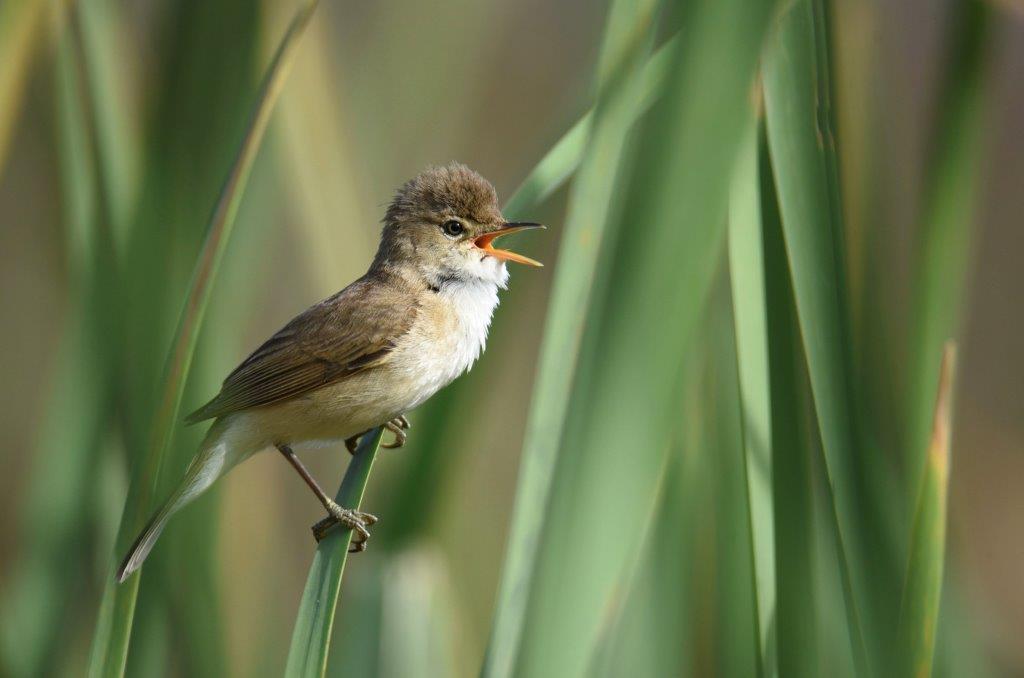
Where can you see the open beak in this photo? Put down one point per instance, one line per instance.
(484, 242)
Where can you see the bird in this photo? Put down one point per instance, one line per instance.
(367, 355)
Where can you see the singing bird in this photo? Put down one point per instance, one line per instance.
(364, 357)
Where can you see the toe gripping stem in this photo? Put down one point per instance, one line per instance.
(323, 527)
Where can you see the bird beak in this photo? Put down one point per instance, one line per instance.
(485, 240)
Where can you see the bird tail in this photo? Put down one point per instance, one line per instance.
(147, 539)
(207, 466)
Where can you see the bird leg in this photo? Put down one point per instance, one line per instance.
(357, 521)
(398, 426)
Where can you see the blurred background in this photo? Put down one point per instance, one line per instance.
(378, 91)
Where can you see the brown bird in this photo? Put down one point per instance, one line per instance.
(364, 357)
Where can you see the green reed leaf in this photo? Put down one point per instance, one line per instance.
(750, 315)
(113, 630)
(919, 610)
(655, 268)
(621, 83)
(311, 637)
(803, 157)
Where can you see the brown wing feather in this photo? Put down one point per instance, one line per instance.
(350, 332)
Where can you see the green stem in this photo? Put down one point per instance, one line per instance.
(311, 637)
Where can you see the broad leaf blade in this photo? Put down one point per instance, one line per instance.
(627, 41)
(110, 642)
(656, 268)
(803, 159)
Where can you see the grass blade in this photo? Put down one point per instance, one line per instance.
(311, 637)
(919, 610)
(627, 41)
(944, 240)
(113, 630)
(737, 646)
(613, 443)
(796, 631)
(803, 158)
(746, 268)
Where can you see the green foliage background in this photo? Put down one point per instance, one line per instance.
(701, 440)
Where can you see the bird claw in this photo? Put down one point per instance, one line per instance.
(352, 443)
(398, 426)
(357, 521)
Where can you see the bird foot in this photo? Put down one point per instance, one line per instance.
(357, 521)
(398, 426)
(352, 444)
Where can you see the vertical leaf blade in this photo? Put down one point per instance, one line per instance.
(792, 490)
(803, 159)
(657, 266)
(919, 610)
(750, 314)
(311, 637)
(945, 233)
(113, 630)
(627, 41)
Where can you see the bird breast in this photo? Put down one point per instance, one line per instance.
(447, 338)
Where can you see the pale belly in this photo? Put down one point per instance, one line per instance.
(338, 411)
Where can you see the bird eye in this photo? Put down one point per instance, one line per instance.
(453, 228)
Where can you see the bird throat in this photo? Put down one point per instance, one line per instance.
(472, 302)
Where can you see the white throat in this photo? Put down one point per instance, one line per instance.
(473, 302)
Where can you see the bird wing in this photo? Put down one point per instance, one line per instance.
(352, 331)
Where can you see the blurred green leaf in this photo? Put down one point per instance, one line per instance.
(732, 571)
(944, 244)
(803, 157)
(655, 268)
(750, 315)
(796, 625)
(58, 506)
(38, 593)
(649, 630)
(919, 609)
(627, 41)
(943, 254)
(113, 630)
(418, 635)
(311, 638)
(401, 617)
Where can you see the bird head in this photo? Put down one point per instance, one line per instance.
(443, 224)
